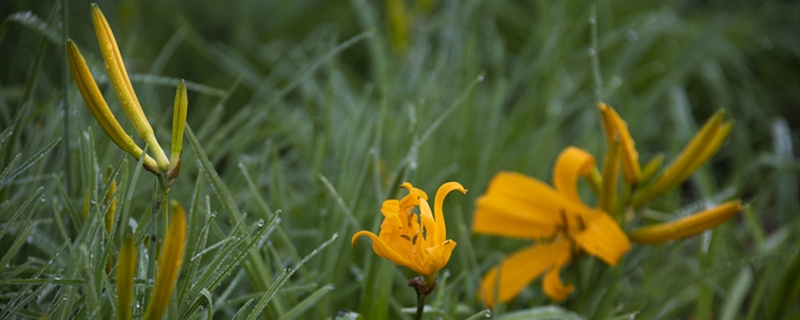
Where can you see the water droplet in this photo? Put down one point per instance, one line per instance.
(480, 78)
(554, 107)
(260, 222)
(592, 21)
(631, 35)
(616, 82)
(766, 44)
(488, 313)
(44, 199)
(591, 52)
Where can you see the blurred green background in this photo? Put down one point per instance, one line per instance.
(313, 108)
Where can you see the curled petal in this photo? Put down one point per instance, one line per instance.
(572, 164)
(519, 269)
(687, 226)
(553, 287)
(381, 248)
(437, 207)
(603, 238)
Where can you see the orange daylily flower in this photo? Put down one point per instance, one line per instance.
(417, 242)
(519, 206)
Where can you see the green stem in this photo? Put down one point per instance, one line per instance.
(420, 305)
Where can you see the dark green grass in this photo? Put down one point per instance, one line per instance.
(305, 108)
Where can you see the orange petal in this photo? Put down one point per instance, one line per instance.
(572, 164)
(437, 257)
(516, 205)
(688, 226)
(613, 125)
(431, 228)
(603, 238)
(390, 208)
(509, 208)
(381, 248)
(553, 287)
(519, 269)
(437, 207)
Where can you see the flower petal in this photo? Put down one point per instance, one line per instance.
(614, 125)
(572, 164)
(603, 238)
(516, 205)
(431, 227)
(519, 269)
(553, 287)
(382, 249)
(688, 226)
(437, 208)
(437, 257)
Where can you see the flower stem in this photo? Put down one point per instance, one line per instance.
(423, 287)
(420, 305)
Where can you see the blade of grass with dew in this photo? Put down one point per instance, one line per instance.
(197, 245)
(302, 75)
(213, 276)
(125, 207)
(31, 21)
(256, 269)
(480, 315)
(19, 211)
(546, 312)
(306, 304)
(195, 242)
(737, 295)
(281, 280)
(10, 166)
(29, 162)
(240, 313)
